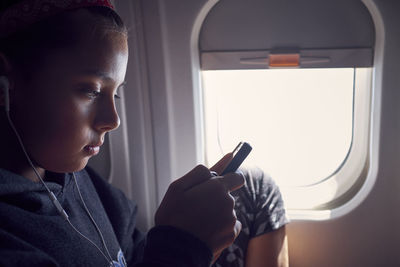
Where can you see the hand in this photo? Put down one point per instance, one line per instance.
(218, 168)
(201, 205)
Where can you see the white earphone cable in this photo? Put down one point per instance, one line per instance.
(57, 203)
(23, 149)
(90, 216)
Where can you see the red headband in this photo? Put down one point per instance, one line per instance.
(28, 12)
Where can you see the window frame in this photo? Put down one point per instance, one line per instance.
(337, 188)
(362, 160)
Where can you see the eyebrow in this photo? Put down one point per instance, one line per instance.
(98, 73)
(103, 75)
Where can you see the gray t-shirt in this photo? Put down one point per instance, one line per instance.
(259, 207)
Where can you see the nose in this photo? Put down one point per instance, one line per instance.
(107, 118)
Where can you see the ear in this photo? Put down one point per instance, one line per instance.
(5, 70)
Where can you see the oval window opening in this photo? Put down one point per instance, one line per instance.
(299, 121)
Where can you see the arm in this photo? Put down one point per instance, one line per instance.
(170, 246)
(260, 208)
(270, 250)
(198, 211)
(194, 222)
(201, 205)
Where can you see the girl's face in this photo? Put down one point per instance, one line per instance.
(64, 111)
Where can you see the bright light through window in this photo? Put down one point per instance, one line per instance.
(299, 121)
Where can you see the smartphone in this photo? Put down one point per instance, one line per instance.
(241, 151)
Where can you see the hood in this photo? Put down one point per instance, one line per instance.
(26, 194)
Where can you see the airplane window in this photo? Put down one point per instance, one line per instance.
(299, 121)
(298, 87)
(308, 127)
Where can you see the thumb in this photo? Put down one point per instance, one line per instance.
(222, 163)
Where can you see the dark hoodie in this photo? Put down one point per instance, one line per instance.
(32, 233)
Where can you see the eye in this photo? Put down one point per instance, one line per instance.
(92, 93)
(121, 87)
(89, 91)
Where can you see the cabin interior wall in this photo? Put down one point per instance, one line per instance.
(367, 236)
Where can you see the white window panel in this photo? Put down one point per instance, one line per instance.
(300, 122)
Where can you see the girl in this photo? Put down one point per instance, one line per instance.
(61, 64)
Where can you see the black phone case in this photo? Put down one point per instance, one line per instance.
(238, 157)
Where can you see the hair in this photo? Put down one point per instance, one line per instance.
(27, 48)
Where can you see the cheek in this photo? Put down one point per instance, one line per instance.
(68, 124)
(56, 131)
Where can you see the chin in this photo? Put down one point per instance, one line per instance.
(80, 166)
(72, 167)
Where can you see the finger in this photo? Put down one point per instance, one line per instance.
(231, 181)
(222, 163)
(197, 175)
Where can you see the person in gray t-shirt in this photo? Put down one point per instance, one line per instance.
(262, 241)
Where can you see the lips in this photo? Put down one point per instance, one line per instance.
(93, 148)
(96, 144)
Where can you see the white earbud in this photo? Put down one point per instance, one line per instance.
(5, 85)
